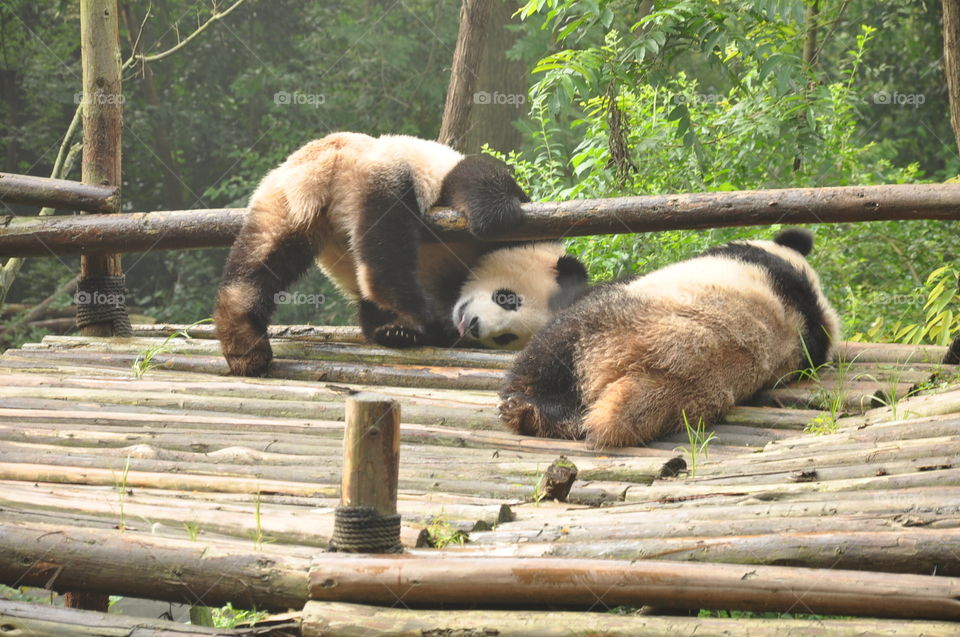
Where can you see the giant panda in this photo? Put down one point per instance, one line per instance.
(629, 360)
(355, 205)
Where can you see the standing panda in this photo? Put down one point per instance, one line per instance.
(355, 205)
(630, 359)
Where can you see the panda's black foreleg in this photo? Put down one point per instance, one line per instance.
(541, 396)
(483, 188)
(394, 309)
(261, 264)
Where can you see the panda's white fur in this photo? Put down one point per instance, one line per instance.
(354, 205)
(628, 361)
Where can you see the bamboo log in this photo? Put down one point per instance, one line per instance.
(589, 529)
(40, 412)
(192, 572)
(338, 619)
(312, 333)
(133, 232)
(890, 353)
(605, 584)
(299, 349)
(43, 620)
(925, 503)
(57, 193)
(908, 550)
(424, 376)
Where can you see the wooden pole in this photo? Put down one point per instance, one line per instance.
(102, 125)
(605, 584)
(65, 558)
(57, 193)
(179, 229)
(334, 619)
(367, 520)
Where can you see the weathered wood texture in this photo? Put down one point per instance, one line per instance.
(57, 193)
(371, 454)
(164, 230)
(337, 619)
(245, 463)
(591, 584)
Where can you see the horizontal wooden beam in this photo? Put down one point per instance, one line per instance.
(180, 229)
(64, 558)
(605, 584)
(57, 193)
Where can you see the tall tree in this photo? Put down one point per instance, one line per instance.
(951, 61)
(474, 17)
(501, 88)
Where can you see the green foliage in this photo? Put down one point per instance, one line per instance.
(942, 322)
(443, 534)
(699, 441)
(702, 96)
(144, 361)
(229, 617)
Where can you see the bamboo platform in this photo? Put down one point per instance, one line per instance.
(183, 484)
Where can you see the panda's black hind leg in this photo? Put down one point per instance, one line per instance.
(384, 327)
(394, 310)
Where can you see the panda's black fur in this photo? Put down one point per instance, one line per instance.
(355, 205)
(631, 359)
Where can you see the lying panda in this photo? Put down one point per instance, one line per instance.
(625, 363)
(355, 205)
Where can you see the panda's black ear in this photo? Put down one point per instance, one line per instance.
(797, 239)
(572, 278)
(570, 268)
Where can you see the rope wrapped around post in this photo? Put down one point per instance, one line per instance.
(366, 520)
(102, 299)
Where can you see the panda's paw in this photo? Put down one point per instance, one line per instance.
(399, 336)
(520, 415)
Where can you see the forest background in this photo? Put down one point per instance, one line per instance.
(585, 98)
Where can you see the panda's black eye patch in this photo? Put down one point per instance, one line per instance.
(503, 339)
(507, 299)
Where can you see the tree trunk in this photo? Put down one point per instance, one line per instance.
(102, 125)
(951, 60)
(501, 87)
(474, 16)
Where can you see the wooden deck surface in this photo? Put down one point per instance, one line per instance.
(185, 453)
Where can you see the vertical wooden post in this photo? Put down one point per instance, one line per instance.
(371, 454)
(367, 520)
(102, 121)
(102, 126)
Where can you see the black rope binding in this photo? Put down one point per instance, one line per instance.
(102, 299)
(363, 530)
